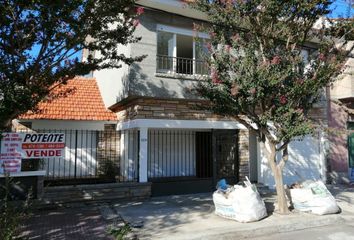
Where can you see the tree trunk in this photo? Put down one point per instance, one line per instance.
(281, 197)
(278, 178)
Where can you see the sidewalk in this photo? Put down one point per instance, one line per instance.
(175, 217)
(344, 195)
(68, 223)
(192, 217)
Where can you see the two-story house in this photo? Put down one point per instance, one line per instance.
(164, 138)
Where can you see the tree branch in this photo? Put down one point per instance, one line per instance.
(284, 158)
(283, 146)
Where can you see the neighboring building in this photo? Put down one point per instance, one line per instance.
(75, 105)
(77, 110)
(163, 137)
(341, 123)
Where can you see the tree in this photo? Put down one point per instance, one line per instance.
(259, 73)
(39, 40)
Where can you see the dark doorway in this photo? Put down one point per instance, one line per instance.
(226, 155)
(204, 159)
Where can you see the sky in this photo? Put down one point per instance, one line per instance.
(340, 9)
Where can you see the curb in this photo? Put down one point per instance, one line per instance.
(271, 229)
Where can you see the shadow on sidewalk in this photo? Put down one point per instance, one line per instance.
(77, 223)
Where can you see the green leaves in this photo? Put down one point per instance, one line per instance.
(39, 39)
(277, 65)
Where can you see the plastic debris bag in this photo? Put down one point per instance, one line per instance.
(315, 198)
(243, 204)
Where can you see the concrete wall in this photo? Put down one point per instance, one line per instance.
(97, 192)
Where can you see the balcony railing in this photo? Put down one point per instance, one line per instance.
(173, 65)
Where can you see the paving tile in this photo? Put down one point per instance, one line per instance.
(66, 224)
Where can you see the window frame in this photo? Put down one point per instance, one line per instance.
(180, 31)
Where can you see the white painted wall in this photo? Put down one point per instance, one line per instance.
(63, 124)
(305, 162)
(129, 154)
(171, 153)
(111, 82)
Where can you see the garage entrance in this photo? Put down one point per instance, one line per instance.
(191, 161)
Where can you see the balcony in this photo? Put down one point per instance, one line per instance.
(181, 67)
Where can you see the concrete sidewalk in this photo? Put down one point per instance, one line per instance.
(66, 223)
(192, 217)
(173, 217)
(344, 195)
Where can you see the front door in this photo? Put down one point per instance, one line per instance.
(226, 155)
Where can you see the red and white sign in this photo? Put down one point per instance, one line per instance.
(43, 145)
(10, 156)
(17, 146)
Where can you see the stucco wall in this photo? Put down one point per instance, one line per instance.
(113, 82)
(143, 80)
(140, 79)
(338, 138)
(338, 147)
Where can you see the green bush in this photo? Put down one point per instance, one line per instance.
(119, 233)
(11, 212)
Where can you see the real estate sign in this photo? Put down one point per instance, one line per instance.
(10, 156)
(17, 146)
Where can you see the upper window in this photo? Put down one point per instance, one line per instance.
(179, 52)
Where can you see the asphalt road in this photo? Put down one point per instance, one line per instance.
(343, 231)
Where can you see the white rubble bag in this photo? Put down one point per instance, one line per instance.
(243, 204)
(315, 198)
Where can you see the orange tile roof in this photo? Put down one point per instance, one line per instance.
(81, 100)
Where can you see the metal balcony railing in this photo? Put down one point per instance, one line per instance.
(189, 66)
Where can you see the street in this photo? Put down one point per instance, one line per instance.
(342, 231)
